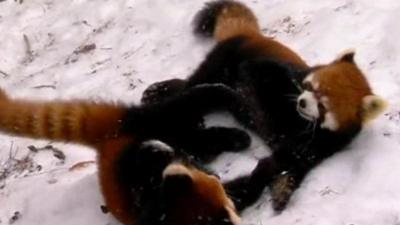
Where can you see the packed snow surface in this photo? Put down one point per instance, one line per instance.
(111, 50)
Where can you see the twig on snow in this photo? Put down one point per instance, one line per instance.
(4, 74)
(28, 50)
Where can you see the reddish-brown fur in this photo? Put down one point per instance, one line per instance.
(341, 82)
(337, 101)
(114, 195)
(87, 123)
(273, 49)
(77, 121)
(236, 19)
(345, 86)
(206, 202)
(98, 125)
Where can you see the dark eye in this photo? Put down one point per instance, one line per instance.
(321, 108)
(307, 86)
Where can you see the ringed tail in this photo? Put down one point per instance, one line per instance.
(74, 121)
(225, 19)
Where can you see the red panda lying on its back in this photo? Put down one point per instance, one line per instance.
(143, 181)
(304, 114)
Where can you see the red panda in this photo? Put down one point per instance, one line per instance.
(143, 181)
(303, 113)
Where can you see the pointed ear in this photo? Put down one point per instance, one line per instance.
(346, 56)
(177, 180)
(372, 106)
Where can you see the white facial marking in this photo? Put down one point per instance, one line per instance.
(159, 145)
(176, 169)
(307, 106)
(231, 204)
(233, 216)
(310, 79)
(345, 52)
(330, 122)
(325, 102)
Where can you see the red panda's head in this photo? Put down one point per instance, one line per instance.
(196, 198)
(338, 96)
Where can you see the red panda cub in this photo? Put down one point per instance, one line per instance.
(143, 181)
(304, 114)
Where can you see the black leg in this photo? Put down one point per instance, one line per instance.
(246, 190)
(153, 155)
(202, 97)
(179, 120)
(282, 188)
(185, 107)
(284, 185)
(281, 176)
(220, 139)
(207, 143)
(163, 90)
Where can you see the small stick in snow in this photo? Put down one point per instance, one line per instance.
(45, 86)
(28, 50)
(85, 49)
(4, 74)
(81, 165)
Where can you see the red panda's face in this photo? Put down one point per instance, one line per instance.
(338, 96)
(196, 198)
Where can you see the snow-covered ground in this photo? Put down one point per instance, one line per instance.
(112, 49)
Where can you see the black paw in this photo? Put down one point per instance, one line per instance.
(246, 190)
(206, 143)
(155, 151)
(160, 91)
(240, 193)
(282, 189)
(245, 114)
(220, 139)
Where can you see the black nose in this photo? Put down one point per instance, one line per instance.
(302, 103)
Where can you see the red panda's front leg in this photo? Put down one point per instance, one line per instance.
(178, 120)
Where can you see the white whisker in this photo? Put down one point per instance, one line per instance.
(292, 97)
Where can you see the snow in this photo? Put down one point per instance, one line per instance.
(47, 52)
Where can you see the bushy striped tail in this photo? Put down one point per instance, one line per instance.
(225, 19)
(74, 121)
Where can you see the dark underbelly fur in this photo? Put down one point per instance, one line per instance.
(266, 104)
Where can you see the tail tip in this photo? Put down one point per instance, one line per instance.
(205, 20)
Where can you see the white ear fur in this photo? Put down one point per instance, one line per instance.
(176, 170)
(347, 55)
(372, 106)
